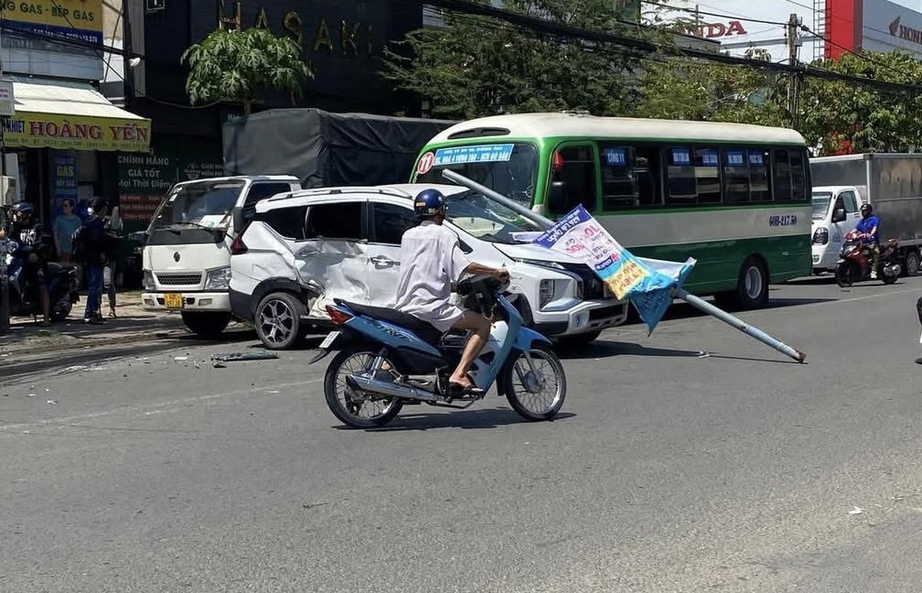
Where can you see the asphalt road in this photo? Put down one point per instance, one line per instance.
(667, 470)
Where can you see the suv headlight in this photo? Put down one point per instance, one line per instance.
(218, 279)
(148, 281)
(551, 290)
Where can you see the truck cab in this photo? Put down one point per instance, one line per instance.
(835, 213)
(186, 258)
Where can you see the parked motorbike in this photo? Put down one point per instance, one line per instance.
(389, 359)
(61, 279)
(855, 262)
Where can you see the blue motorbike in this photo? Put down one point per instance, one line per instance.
(388, 359)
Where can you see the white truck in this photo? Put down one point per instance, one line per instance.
(891, 183)
(186, 258)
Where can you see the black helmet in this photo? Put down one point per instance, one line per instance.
(21, 212)
(867, 208)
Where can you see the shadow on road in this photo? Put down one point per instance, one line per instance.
(601, 349)
(466, 419)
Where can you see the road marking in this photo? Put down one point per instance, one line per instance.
(152, 408)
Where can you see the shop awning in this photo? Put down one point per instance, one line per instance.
(71, 115)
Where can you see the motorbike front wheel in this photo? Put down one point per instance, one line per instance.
(535, 391)
(357, 409)
(846, 274)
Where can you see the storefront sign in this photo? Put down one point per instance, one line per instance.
(51, 130)
(7, 102)
(70, 20)
(345, 37)
(717, 30)
(63, 178)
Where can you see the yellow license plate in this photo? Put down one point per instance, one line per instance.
(172, 301)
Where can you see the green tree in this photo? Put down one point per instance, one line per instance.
(699, 89)
(478, 66)
(845, 117)
(235, 65)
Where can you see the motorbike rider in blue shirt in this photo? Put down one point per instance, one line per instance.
(867, 229)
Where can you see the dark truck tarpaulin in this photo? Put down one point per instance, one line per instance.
(327, 149)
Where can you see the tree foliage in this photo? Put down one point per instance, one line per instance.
(477, 66)
(842, 117)
(235, 65)
(696, 89)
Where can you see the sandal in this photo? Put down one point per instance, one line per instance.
(112, 315)
(460, 389)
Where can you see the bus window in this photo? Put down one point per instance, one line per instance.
(736, 176)
(758, 174)
(707, 173)
(619, 180)
(630, 176)
(576, 167)
(798, 176)
(681, 184)
(781, 174)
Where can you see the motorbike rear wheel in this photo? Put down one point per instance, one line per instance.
(347, 405)
(846, 274)
(535, 393)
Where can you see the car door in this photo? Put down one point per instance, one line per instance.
(837, 230)
(852, 210)
(332, 258)
(387, 222)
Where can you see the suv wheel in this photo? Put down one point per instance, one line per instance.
(278, 320)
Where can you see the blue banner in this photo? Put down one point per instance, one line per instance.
(484, 153)
(647, 283)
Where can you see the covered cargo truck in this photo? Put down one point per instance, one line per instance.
(891, 183)
(326, 149)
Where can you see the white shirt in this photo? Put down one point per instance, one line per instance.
(430, 260)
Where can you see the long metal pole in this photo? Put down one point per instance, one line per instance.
(749, 330)
(541, 221)
(697, 302)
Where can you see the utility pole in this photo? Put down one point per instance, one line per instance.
(794, 43)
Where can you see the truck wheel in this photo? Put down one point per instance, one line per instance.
(278, 320)
(206, 325)
(912, 263)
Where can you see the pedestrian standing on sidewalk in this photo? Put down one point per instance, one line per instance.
(64, 226)
(113, 231)
(94, 249)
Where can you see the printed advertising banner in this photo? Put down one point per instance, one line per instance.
(52, 130)
(71, 20)
(647, 283)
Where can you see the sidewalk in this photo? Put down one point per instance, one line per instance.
(132, 325)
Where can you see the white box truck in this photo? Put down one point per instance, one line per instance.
(891, 183)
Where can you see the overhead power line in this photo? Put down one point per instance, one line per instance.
(650, 47)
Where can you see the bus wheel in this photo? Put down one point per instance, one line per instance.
(912, 263)
(752, 286)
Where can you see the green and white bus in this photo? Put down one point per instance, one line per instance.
(734, 197)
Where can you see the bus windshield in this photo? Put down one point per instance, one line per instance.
(487, 219)
(821, 202)
(204, 204)
(509, 168)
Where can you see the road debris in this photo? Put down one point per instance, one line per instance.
(241, 356)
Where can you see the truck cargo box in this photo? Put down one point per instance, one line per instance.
(326, 149)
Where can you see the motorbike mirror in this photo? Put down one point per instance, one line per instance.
(838, 215)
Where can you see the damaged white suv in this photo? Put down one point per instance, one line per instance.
(303, 249)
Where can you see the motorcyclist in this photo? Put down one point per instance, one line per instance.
(34, 250)
(430, 261)
(867, 229)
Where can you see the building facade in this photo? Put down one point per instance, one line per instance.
(63, 136)
(343, 40)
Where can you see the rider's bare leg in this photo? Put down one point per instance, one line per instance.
(480, 328)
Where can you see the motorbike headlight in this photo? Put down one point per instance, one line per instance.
(218, 279)
(820, 236)
(148, 281)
